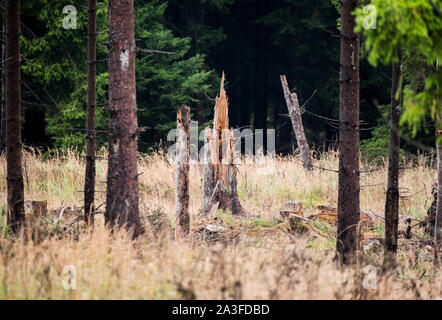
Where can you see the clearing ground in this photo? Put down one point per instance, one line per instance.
(264, 257)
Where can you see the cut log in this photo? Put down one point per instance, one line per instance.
(182, 173)
(330, 215)
(295, 115)
(220, 181)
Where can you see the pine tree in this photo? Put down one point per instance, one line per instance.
(15, 216)
(89, 183)
(348, 193)
(392, 198)
(122, 177)
(419, 33)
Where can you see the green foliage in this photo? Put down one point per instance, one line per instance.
(251, 40)
(377, 146)
(164, 82)
(56, 60)
(415, 26)
(259, 223)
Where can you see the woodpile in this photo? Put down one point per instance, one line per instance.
(330, 215)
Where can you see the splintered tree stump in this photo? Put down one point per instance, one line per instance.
(220, 181)
(182, 173)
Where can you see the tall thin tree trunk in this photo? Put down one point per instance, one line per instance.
(122, 180)
(89, 183)
(392, 197)
(16, 217)
(438, 218)
(261, 79)
(182, 226)
(348, 193)
(295, 115)
(3, 101)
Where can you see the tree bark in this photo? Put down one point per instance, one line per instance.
(349, 189)
(261, 70)
(392, 195)
(431, 212)
(16, 217)
(220, 181)
(89, 183)
(3, 101)
(438, 218)
(295, 115)
(182, 226)
(122, 180)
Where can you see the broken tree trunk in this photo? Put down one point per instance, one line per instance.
(295, 115)
(182, 173)
(220, 182)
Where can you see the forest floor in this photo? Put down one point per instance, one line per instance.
(257, 258)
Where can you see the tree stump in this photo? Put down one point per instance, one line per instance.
(220, 181)
(182, 173)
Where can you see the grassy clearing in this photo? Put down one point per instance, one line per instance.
(260, 258)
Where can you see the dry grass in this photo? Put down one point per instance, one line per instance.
(263, 261)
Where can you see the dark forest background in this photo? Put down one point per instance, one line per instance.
(253, 41)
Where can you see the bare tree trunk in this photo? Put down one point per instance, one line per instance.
(295, 115)
(431, 212)
(89, 183)
(348, 193)
(122, 180)
(16, 217)
(438, 219)
(220, 183)
(182, 226)
(3, 101)
(392, 197)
